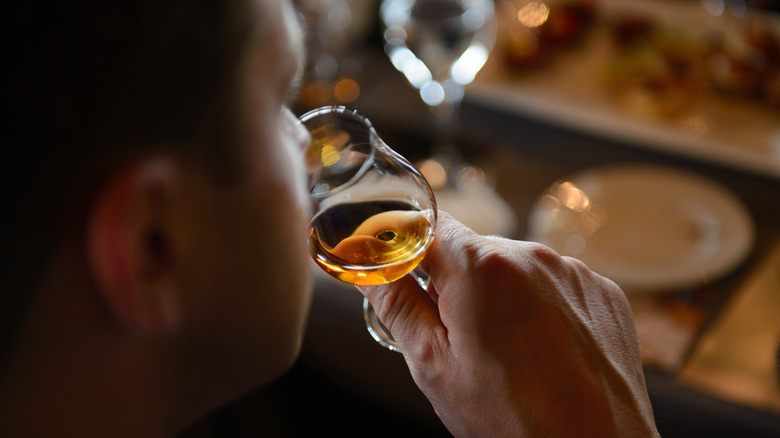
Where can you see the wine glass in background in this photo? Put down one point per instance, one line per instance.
(440, 45)
(373, 213)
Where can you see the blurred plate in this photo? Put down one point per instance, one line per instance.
(648, 228)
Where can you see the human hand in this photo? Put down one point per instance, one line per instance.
(514, 340)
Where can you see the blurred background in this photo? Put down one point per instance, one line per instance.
(640, 136)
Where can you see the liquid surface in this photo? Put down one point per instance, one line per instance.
(370, 243)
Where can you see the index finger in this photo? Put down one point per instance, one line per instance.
(406, 310)
(452, 237)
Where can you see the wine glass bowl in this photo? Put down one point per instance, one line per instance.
(439, 45)
(373, 213)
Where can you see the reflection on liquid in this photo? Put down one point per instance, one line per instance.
(328, 145)
(329, 156)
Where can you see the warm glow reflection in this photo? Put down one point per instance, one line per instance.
(329, 145)
(434, 172)
(571, 215)
(533, 14)
(316, 93)
(329, 156)
(572, 197)
(346, 90)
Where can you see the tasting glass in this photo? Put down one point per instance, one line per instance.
(373, 213)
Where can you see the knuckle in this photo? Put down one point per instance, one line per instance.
(385, 303)
(498, 257)
(544, 253)
(425, 350)
(426, 359)
(578, 265)
(489, 257)
(610, 290)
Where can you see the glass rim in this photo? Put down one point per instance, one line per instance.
(353, 114)
(339, 109)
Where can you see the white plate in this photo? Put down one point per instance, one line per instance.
(648, 228)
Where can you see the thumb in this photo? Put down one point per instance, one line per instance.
(411, 313)
(407, 311)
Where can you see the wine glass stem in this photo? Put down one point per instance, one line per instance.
(446, 117)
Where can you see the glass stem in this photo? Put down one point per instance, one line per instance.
(446, 117)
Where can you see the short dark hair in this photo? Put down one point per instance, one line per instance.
(89, 84)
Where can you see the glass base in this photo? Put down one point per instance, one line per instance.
(377, 329)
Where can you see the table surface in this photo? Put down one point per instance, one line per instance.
(525, 155)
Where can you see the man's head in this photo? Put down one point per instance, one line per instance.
(155, 189)
(91, 85)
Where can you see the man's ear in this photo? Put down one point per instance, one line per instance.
(130, 245)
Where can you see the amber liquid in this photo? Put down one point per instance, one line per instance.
(371, 242)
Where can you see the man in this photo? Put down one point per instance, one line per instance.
(159, 265)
